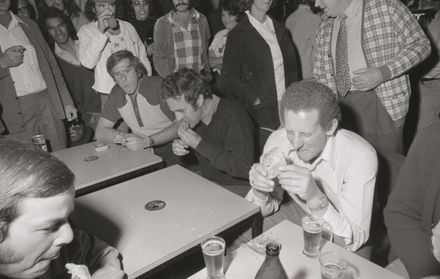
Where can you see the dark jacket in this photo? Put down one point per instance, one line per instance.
(247, 71)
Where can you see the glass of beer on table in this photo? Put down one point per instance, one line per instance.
(213, 249)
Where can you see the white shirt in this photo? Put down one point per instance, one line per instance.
(27, 76)
(345, 172)
(95, 48)
(434, 35)
(67, 56)
(267, 31)
(356, 58)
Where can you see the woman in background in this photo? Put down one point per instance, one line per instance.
(259, 63)
(143, 17)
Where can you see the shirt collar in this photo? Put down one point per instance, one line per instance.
(354, 9)
(194, 15)
(268, 24)
(67, 56)
(15, 21)
(208, 117)
(327, 155)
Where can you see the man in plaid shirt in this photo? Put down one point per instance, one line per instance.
(181, 40)
(384, 43)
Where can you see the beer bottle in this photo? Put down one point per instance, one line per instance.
(272, 267)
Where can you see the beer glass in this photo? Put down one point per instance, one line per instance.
(312, 230)
(213, 249)
(333, 265)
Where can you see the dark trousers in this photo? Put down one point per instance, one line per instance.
(364, 114)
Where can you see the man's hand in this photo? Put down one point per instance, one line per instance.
(367, 79)
(12, 57)
(298, 180)
(258, 178)
(102, 21)
(189, 137)
(71, 112)
(179, 148)
(135, 143)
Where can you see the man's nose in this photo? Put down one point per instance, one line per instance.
(65, 235)
(297, 143)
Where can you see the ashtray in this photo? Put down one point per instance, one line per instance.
(100, 147)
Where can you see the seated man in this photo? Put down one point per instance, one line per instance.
(136, 99)
(218, 130)
(413, 206)
(36, 239)
(325, 171)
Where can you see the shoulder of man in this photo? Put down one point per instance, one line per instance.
(151, 89)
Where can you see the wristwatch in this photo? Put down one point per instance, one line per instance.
(318, 204)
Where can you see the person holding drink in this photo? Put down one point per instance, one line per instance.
(326, 171)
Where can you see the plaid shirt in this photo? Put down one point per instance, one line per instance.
(392, 41)
(187, 44)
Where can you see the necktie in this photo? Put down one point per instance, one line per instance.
(343, 83)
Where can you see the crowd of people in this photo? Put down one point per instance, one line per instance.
(293, 116)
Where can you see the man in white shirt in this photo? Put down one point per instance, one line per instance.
(325, 171)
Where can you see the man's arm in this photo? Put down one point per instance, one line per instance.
(236, 157)
(231, 79)
(102, 260)
(417, 185)
(91, 44)
(415, 46)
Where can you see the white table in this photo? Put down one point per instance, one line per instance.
(149, 240)
(116, 164)
(245, 262)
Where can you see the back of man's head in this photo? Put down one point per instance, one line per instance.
(309, 95)
(26, 171)
(187, 83)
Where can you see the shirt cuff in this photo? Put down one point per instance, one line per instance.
(339, 224)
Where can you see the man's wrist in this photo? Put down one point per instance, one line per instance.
(262, 196)
(149, 142)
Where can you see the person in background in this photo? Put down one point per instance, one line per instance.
(259, 63)
(326, 171)
(69, 7)
(136, 99)
(103, 36)
(23, 8)
(181, 40)
(303, 24)
(217, 130)
(142, 16)
(365, 59)
(232, 12)
(429, 105)
(61, 36)
(413, 208)
(36, 239)
(34, 95)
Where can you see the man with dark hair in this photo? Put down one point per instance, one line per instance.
(36, 239)
(61, 34)
(325, 171)
(218, 130)
(34, 96)
(181, 40)
(364, 50)
(136, 99)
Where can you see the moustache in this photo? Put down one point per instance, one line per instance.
(181, 4)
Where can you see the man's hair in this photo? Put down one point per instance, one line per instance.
(89, 10)
(235, 8)
(70, 7)
(32, 13)
(120, 55)
(28, 172)
(187, 83)
(55, 13)
(308, 95)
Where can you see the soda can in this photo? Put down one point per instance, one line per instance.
(39, 141)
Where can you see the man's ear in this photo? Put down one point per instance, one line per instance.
(3, 230)
(200, 101)
(332, 126)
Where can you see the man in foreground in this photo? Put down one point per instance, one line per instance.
(36, 239)
(325, 171)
